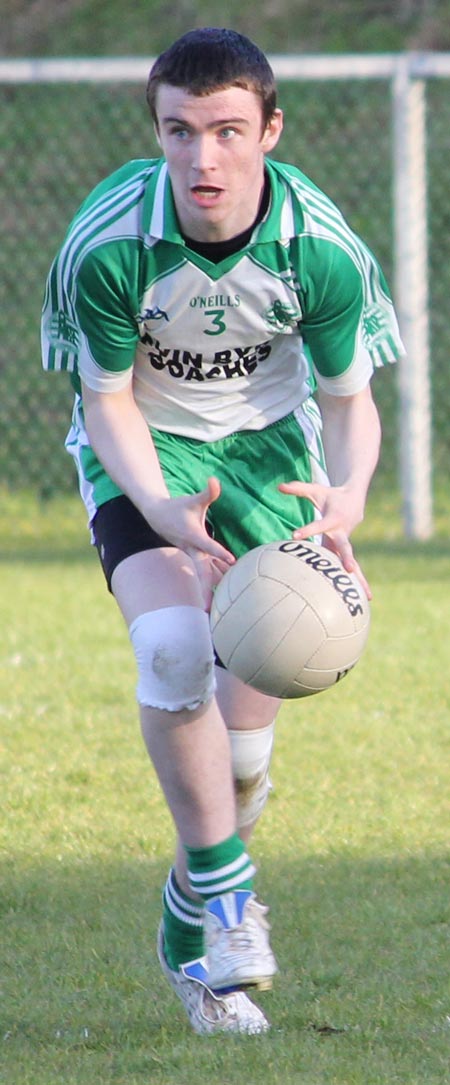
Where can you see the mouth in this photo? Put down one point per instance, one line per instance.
(205, 193)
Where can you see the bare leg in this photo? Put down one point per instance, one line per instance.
(243, 708)
(189, 749)
(191, 755)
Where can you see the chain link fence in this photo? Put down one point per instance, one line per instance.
(58, 139)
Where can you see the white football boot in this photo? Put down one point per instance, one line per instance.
(208, 1012)
(237, 942)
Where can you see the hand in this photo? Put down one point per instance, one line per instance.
(181, 520)
(338, 517)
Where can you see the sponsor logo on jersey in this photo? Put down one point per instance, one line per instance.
(376, 325)
(63, 333)
(189, 366)
(279, 315)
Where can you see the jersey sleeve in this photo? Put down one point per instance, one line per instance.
(349, 323)
(88, 325)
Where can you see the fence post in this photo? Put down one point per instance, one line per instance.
(411, 287)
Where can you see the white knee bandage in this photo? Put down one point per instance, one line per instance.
(250, 754)
(175, 658)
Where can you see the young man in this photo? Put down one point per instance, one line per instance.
(198, 300)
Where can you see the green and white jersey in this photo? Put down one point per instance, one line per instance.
(215, 348)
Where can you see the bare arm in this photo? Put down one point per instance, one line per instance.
(351, 434)
(122, 442)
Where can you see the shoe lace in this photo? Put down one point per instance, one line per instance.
(243, 936)
(240, 938)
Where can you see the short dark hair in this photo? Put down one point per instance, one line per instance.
(210, 59)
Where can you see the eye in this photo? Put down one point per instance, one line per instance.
(227, 133)
(179, 133)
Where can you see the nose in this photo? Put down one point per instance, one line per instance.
(203, 158)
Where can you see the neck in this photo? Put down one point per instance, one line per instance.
(217, 248)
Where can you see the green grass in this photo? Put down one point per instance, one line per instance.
(353, 850)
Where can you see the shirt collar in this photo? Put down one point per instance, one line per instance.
(160, 219)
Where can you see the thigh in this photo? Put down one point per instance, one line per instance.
(141, 569)
(242, 707)
(153, 579)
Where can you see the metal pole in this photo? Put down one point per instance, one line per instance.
(411, 279)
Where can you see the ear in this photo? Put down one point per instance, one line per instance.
(272, 131)
(156, 131)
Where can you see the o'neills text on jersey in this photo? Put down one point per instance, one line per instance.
(222, 301)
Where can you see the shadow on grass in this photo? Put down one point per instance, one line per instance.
(354, 938)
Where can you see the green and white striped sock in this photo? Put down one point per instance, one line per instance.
(220, 868)
(183, 925)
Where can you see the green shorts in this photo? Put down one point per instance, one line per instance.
(249, 465)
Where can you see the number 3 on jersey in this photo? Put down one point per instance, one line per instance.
(218, 322)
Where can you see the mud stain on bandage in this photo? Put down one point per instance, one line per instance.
(163, 661)
(245, 788)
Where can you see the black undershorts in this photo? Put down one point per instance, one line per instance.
(120, 530)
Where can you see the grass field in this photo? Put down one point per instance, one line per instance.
(353, 849)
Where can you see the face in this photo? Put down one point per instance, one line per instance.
(214, 147)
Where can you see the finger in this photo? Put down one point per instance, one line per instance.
(214, 489)
(200, 503)
(203, 568)
(220, 568)
(314, 492)
(341, 545)
(343, 548)
(209, 571)
(207, 545)
(315, 527)
(211, 492)
(362, 579)
(324, 525)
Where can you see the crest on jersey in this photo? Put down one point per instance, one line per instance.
(375, 325)
(279, 315)
(152, 314)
